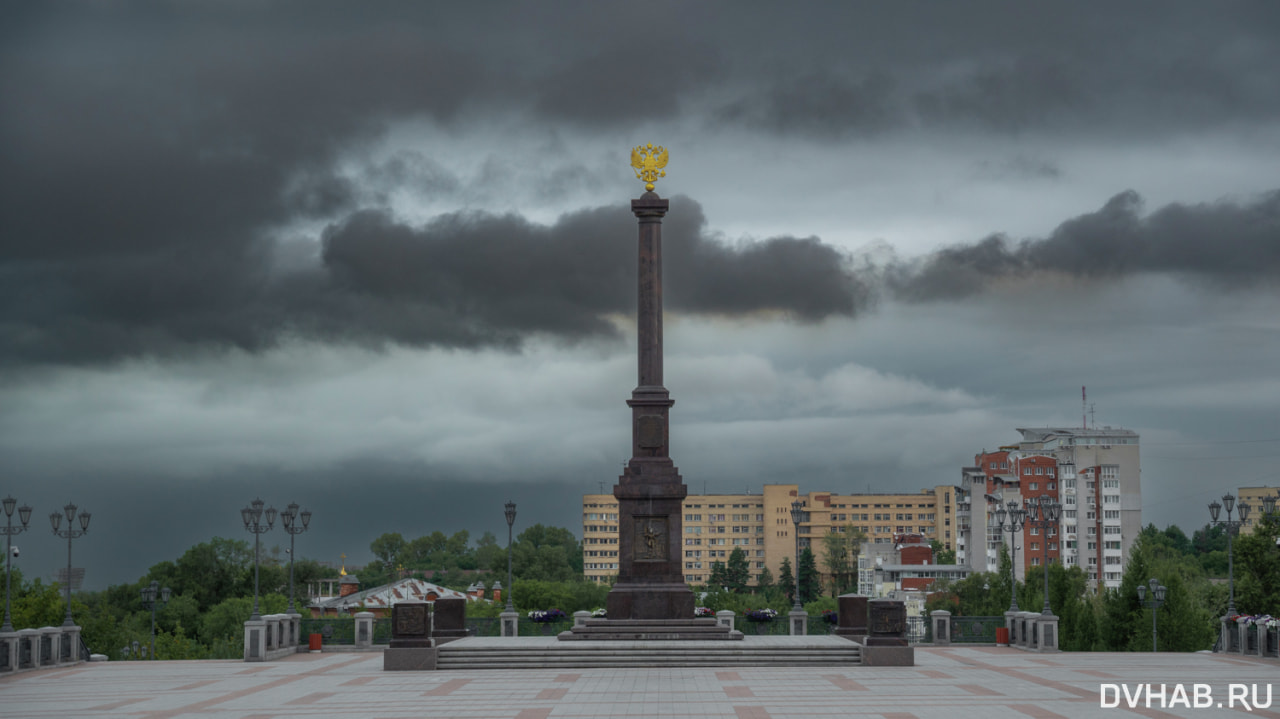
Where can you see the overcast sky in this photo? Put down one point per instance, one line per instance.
(378, 259)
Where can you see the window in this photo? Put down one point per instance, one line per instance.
(1035, 561)
(1034, 485)
(1111, 514)
(1026, 471)
(1040, 470)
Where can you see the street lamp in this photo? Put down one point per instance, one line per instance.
(252, 516)
(153, 596)
(510, 509)
(1157, 598)
(1017, 517)
(289, 520)
(24, 515)
(797, 513)
(1232, 526)
(70, 533)
(1043, 512)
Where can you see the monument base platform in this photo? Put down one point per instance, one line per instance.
(651, 630)
(410, 659)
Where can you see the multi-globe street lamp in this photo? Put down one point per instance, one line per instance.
(797, 514)
(252, 516)
(1043, 513)
(153, 596)
(1157, 598)
(69, 533)
(1232, 526)
(510, 510)
(289, 520)
(1016, 517)
(24, 516)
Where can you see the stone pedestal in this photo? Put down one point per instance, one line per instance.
(8, 652)
(941, 626)
(580, 617)
(887, 623)
(510, 623)
(725, 618)
(450, 620)
(1046, 633)
(798, 622)
(255, 640)
(364, 630)
(411, 647)
(851, 613)
(1011, 623)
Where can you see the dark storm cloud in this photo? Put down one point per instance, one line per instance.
(149, 150)
(1223, 244)
(503, 277)
(467, 279)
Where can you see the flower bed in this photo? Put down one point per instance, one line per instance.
(546, 616)
(761, 615)
(703, 612)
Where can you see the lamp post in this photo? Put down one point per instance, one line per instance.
(70, 533)
(24, 516)
(252, 516)
(1232, 526)
(1016, 517)
(1043, 512)
(797, 513)
(1157, 598)
(153, 596)
(289, 520)
(510, 510)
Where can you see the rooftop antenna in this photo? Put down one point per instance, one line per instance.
(1092, 420)
(1084, 400)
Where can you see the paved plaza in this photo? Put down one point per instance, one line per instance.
(946, 683)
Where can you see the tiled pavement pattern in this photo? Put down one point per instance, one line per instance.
(946, 683)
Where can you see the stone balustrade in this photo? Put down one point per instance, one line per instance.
(272, 636)
(31, 649)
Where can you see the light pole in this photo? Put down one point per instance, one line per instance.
(510, 509)
(797, 514)
(252, 516)
(1043, 512)
(1232, 526)
(70, 533)
(1017, 517)
(1157, 598)
(24, 515)
(153, 596)
(289, 520)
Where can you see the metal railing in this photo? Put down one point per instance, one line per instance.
(975, 630)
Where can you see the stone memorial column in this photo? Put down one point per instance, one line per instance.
(650, 491)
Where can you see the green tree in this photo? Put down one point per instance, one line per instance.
(737, 571)
(840, 557)
(389, 549)
(1257, 569)
(764, 582)
(719, 577)
(942, 555)
(787, 580)
(810, 580)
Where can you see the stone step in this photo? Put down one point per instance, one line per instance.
(592, 654)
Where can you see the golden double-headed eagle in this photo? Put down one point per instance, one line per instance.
(649, 162)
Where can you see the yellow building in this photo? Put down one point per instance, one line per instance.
(760, 525)
(1253, 496)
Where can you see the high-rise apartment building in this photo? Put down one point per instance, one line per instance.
(760, 525)
(1096, 476)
